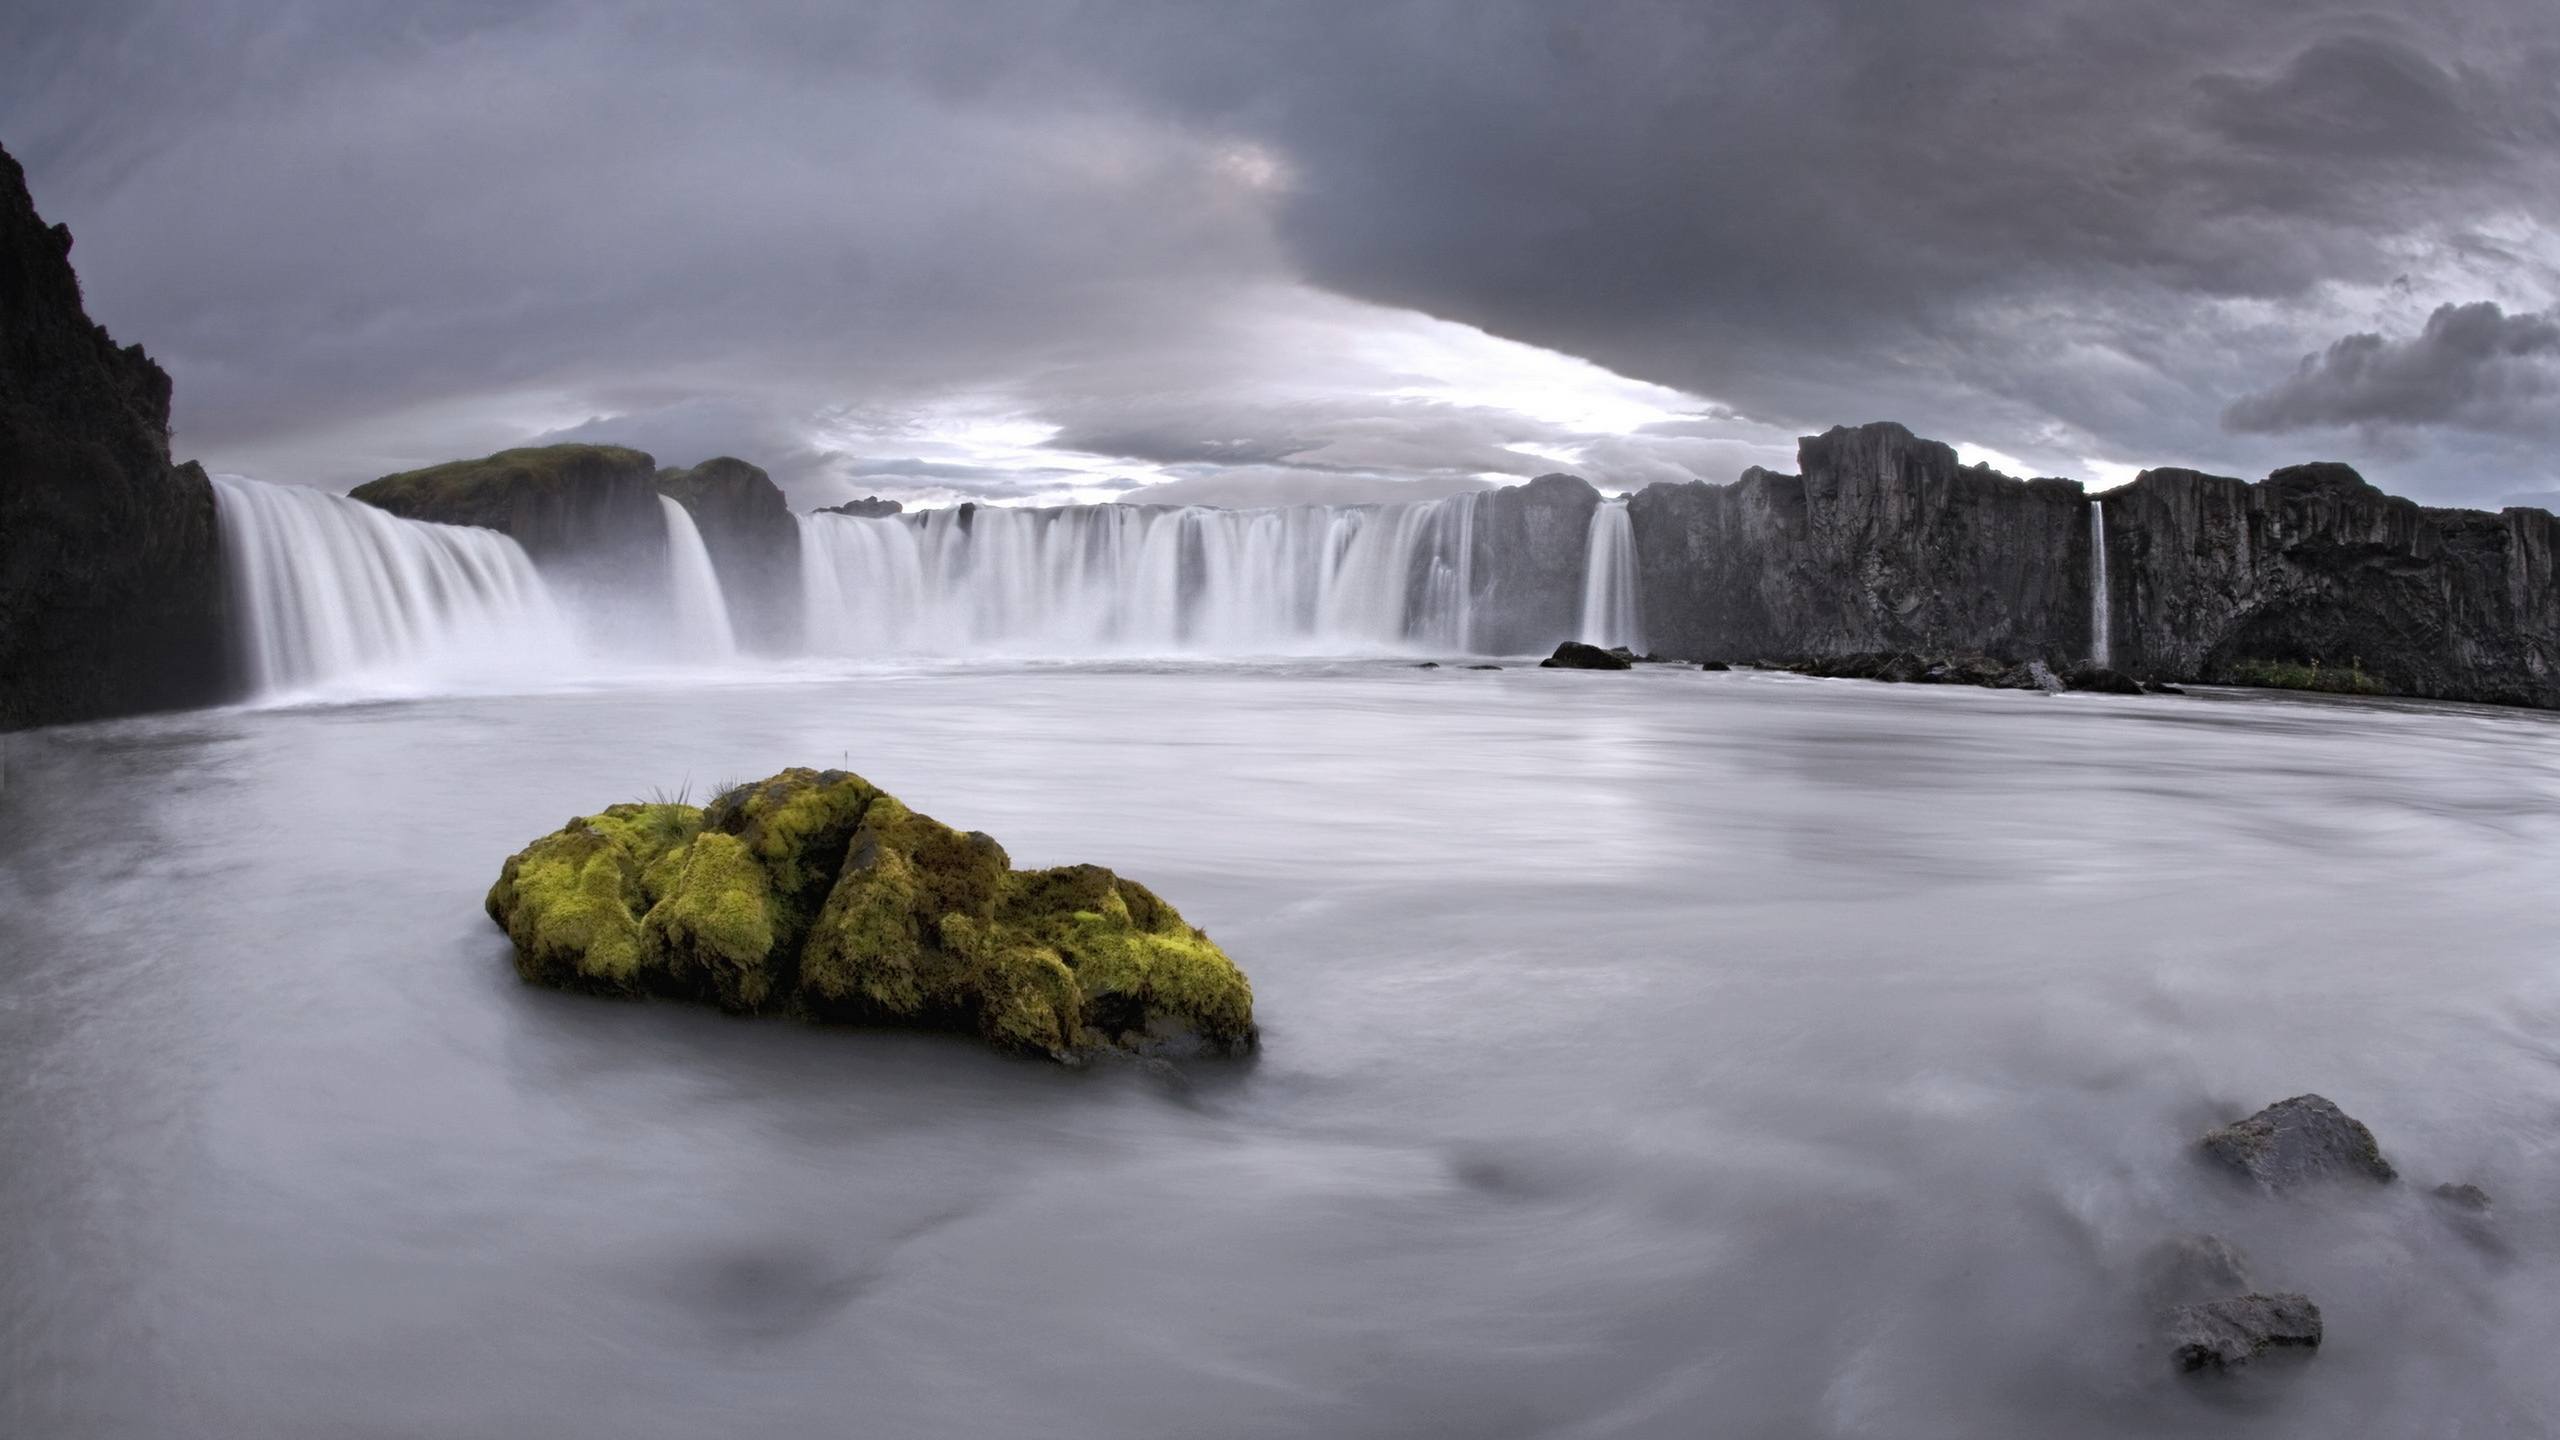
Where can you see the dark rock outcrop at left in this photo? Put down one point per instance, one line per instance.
(754, 543)
(111, 573)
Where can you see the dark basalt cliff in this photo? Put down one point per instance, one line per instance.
(2212, 577)
(111, 581)
(754, 543)
(560, 502)
(1882, 543)
(1529, 546)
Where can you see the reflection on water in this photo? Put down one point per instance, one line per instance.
(1657, 1054)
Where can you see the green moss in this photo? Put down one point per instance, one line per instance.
(715, 929)
(797, 824)
(570, 902)
(2347, 679)
(813, 892)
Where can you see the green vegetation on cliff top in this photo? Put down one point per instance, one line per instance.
(813, 893)
(491, 484)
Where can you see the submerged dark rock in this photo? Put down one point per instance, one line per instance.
(813, 893)
(1904, 667)
(1713, 665)
(2227, 1334)
(111, 572)
(2296, 1141)
(2465, 1197)
(2103, 680)
(1574, 655)
(2190, 1269)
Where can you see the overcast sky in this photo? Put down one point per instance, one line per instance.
(1254, 251)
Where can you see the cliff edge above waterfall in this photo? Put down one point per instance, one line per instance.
(558, 501)
(111, 597)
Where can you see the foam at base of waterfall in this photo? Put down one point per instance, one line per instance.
(332, 596)
(1141, 580)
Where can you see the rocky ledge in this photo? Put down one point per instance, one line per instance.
(813, 893)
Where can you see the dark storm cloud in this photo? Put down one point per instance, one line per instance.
(2473, 366)
(365, 234)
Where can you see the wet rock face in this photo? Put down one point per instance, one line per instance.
(1574, 655)
(1530, 545)
(2222, 1335)
(2216, 579)
(565, 504)
(754, 543)
(812, 893)
(111, 577)
(2299, 1141)
(1882, 543)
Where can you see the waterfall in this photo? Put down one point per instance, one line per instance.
(1124, 579)
(1609, 579)
(702, 629)
(326, 590)
(2100, 650)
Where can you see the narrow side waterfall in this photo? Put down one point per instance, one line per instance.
(2100, 647)
(702, 628)
(1609, 579)
(329, 590)
(1123, 579)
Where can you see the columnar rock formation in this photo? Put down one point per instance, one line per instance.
(111, 592)
(2315, 565)
(1883, 542)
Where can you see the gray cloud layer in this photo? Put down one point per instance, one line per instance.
(830, 238)
(2473, 365)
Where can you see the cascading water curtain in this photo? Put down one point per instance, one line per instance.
(1609, 615)
(1123, 579)
(2100, 643)
(326, 589)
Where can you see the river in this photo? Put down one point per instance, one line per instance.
(1657, 1054)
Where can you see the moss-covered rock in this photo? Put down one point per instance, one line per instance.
(814, 893)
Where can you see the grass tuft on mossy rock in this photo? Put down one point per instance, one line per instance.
(814, 893)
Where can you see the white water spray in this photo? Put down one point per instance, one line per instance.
(1122, 579)
(702, 628)
(330, 591)
(2100, 648)
(1609, 579)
